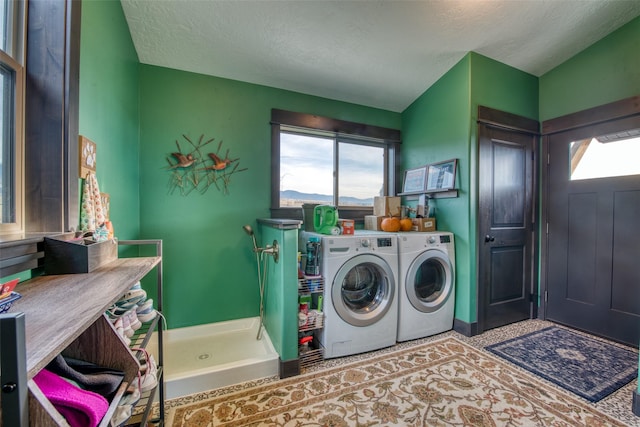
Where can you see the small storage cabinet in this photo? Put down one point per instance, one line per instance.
(64, 314)
(310, 321)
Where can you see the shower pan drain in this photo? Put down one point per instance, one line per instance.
(204, 356)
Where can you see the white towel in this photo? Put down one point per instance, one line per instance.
(91, 210)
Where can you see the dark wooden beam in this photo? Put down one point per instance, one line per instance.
(312, 121)
(600, 114)
(51, 115)
(497, 118)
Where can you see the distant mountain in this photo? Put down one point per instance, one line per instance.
(305, 197)
(323, 198)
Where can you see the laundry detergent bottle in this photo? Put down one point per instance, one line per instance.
(325, 219)
(312, 268)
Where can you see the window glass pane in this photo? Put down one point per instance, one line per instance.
(360, 174)
(10, 14)
(306, 170)
(7, 147)
(4, 15)
(604, 157)
(11, 114)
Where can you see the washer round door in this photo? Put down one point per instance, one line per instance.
(362, 290)
(429, 282)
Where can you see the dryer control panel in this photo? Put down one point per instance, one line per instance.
(384, 242)
(441, 238)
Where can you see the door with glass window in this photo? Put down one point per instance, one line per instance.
(593, 238)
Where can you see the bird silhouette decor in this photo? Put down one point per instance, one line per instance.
(183, 161)
(218, 163)
(191, 170)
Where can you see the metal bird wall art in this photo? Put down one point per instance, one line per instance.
(191, 170)
(218, 163)
(183, 161)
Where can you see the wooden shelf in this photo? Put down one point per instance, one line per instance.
(58, 309)
(65, 314)
(432, 195)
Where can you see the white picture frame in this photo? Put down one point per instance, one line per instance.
(414, 180)
(441, 176)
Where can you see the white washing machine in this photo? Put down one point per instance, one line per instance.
(426, 299)
(360, 297)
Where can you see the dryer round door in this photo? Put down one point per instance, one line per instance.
(429, 282)
(363, 289)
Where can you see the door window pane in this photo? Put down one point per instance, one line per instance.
(430, 280)
(604, 157)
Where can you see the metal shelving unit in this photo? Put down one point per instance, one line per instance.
(314, 287)
(143, 411)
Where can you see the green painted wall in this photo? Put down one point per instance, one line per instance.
(436, 127)
(441, 124)
(607, 71)
(108, 112)
(499, 86)
(209, 267)
(503, 88)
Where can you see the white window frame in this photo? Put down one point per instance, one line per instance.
(14, 60)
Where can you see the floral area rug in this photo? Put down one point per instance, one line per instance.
(441, 383)
(585, 366)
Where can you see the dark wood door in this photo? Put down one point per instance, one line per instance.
(593, 261)
(505, 226)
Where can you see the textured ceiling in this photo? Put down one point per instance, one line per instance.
(381, 54)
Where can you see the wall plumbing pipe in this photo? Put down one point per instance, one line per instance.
(274, 251)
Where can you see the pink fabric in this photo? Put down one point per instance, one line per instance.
(81, 408)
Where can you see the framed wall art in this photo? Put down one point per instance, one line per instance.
(441, 176)
(414, 180)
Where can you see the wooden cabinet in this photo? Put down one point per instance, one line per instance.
(64, 314)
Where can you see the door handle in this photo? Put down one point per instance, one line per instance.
(488, 238)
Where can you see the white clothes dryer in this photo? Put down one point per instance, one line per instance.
(426, 299)
(360, 296)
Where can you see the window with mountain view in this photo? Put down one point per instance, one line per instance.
(330, 170)
(322, 160)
